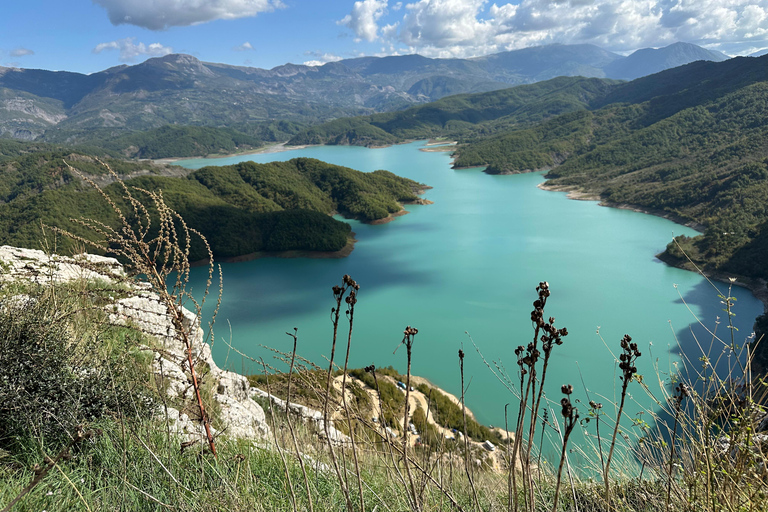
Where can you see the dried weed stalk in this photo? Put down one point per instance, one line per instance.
(155, 245)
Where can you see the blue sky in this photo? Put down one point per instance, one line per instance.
(91, 35)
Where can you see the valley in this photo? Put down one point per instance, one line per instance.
(369, 255)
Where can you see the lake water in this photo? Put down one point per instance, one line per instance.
(470, 263)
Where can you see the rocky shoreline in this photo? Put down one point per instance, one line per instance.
(272, 148)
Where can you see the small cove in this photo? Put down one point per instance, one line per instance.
(470, 262)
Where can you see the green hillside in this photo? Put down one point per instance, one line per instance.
(705, 164)
(463, 116)
(240, 209)
(689, 143)
(181, 141)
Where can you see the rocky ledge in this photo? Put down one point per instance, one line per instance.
(240, 415)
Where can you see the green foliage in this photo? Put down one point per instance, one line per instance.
(392, 399)
(10, 148)
(271, 131)
(535, 148)
(241, 209)
(464, 116)
(181, 141)
(344, 131)
(427, 431)
(50, 384)
(449, 415)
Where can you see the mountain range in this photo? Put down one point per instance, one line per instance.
(61, 106)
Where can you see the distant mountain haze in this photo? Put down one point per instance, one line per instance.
(648, 61)
(61, 106)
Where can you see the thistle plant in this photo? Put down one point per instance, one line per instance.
(338, 294)
(466, 437)
(351, 300)
(628, 357)
(595, 409)
(544, 331)
(571, 418)
(409, 334)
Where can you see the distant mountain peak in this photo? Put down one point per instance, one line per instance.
(179, 88)
(178, 62)
(178, 58)
(648, 61)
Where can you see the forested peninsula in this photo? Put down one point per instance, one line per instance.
(240, 209)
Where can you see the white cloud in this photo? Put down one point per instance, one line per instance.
(389, 31)
(444, 23)
(21, 52)
(463, 28)
(320, 58)
(129, 51)
(362, 20)
(243, 47)
(162, 14)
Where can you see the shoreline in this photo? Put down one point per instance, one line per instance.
(433, 146)
(430, 146)
(273, 148)
(578, 194)
(341, 253)
(758, 287)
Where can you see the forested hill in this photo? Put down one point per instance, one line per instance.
(697, 150)
(464, 116)
(181, 141)
(473, 117)
(689, 141)
(240, 209)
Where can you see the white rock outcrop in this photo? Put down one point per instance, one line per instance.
(240, 415)
(309, 416)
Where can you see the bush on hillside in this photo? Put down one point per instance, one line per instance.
(49, 386)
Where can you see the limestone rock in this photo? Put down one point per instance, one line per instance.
(241, 416)
(309, 416)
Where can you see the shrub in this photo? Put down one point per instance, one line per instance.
(48, 384)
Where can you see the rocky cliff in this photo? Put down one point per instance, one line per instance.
(239, 414)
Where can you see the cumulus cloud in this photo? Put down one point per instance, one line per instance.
(462, 28)
(363, 18)
(130, 51)
(320, 58)
(162, 14)
(243, 47)
(444, 23)
(21, 52)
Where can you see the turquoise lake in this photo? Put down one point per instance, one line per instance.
(470, 263)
